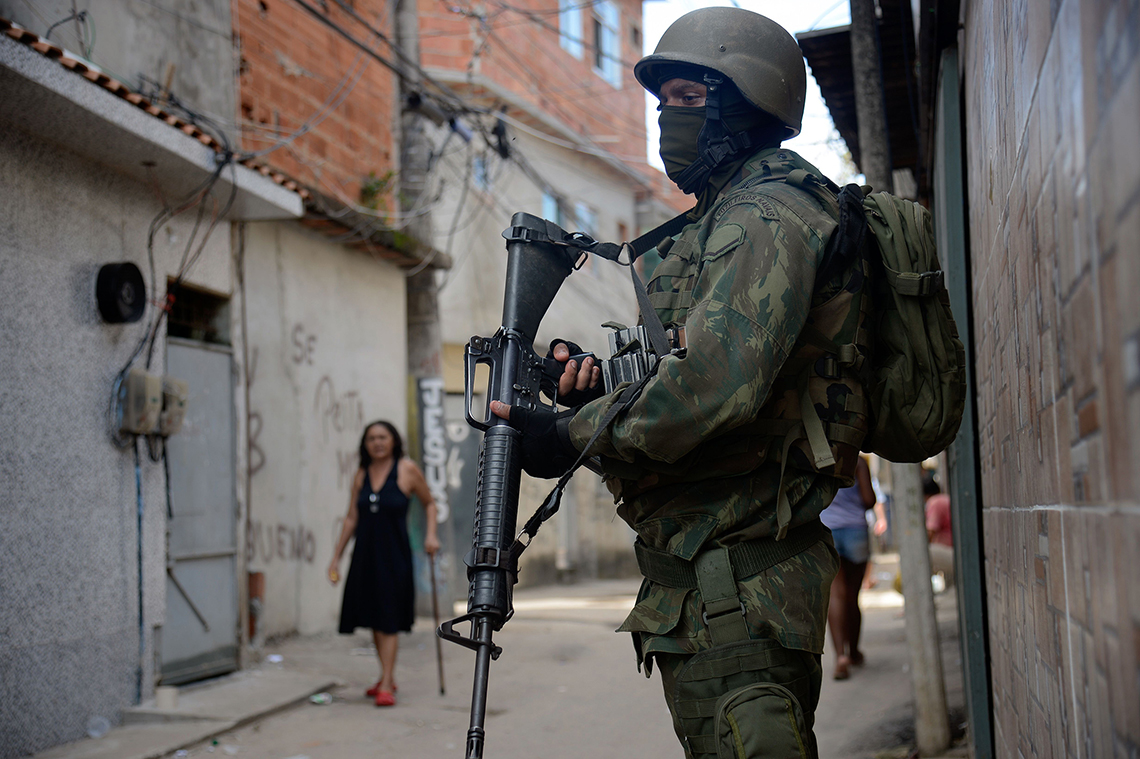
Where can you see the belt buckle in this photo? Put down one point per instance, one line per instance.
(705, 614)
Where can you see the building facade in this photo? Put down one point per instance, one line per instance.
(1025, 151)
(559, 132)
(239, 158)
(1051, 95)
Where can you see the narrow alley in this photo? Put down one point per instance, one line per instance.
(564, 687)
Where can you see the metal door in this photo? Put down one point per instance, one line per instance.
(200, 636)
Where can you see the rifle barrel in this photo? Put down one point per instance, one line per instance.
(475, 733)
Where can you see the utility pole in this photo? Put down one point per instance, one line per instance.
(932, 725)
(870, 104)
(932, 722)
(425, 344)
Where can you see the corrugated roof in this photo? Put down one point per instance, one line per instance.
(828, 53)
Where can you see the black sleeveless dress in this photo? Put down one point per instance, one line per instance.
(379, 591)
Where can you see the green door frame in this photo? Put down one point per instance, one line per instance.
(950, 203)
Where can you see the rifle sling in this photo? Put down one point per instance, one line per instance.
(660, 342)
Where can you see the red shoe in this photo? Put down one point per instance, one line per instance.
(371, 692)
(385, 698)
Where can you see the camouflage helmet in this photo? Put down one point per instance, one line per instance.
(753, 51)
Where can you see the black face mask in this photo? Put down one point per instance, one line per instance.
(680, 127)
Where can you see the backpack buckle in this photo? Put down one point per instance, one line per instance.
(827, 367)
(920, 285)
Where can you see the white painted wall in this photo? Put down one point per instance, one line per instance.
(471, 297)
(68, 576)
(327, 354)
(584, 539)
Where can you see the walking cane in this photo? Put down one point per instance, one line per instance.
(435, 612)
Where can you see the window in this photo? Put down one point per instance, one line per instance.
(570, 26)
(479, 174)
(551, 208)
(198, 314)
(607, 50)
(587, 219)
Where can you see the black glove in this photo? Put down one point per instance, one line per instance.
(553, 369)
(546, 448)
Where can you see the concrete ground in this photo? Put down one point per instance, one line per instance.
(565, 686)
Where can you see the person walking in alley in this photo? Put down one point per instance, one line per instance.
(846, 517)
(379, 592)
(938, 530)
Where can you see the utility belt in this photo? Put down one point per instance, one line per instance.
(715, 572)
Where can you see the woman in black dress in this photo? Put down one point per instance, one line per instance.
(379, 591)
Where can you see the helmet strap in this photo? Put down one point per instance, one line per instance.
(715, 143)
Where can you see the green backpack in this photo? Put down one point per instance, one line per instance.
(917, 376)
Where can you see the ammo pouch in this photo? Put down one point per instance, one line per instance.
(743, 701)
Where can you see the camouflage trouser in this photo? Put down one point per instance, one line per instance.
(744, 700)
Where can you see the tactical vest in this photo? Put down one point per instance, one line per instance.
(816, 414)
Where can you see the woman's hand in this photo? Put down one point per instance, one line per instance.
(431, 545)
(334, 571)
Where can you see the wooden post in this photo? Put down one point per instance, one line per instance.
(932, 724)
(870, 104)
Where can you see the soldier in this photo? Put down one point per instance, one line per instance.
(725, 460)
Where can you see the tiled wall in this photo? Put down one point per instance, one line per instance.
(1052, 97)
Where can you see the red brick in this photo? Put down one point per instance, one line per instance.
(1076, 565)
(1083, 341)
(1087, 420)
(1056, 569)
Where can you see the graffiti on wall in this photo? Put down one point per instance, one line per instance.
(347, 464)
(304, 345)
(434, 444)
(256, 454)
(274, 541)
(338, 411)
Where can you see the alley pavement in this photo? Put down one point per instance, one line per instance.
(565, 686)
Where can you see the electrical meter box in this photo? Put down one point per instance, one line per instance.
(174, 395)
(140, 402)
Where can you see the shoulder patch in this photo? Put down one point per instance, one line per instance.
(726, 237)
(764, 206)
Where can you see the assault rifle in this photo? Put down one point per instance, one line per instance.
(540, 255)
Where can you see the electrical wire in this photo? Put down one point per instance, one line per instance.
(522, 126)
(196, 198)
(638, 129)
(456, 100)
(827, 13)
(339, 94)
(85, 37)
(535, 18)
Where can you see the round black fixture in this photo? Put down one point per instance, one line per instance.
(120, 292)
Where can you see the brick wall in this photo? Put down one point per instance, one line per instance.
(1052, 96)
(290, 66)
(517, 46)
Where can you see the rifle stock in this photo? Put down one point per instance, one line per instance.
(536, 268)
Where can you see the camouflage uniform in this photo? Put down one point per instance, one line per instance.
(694, 462)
